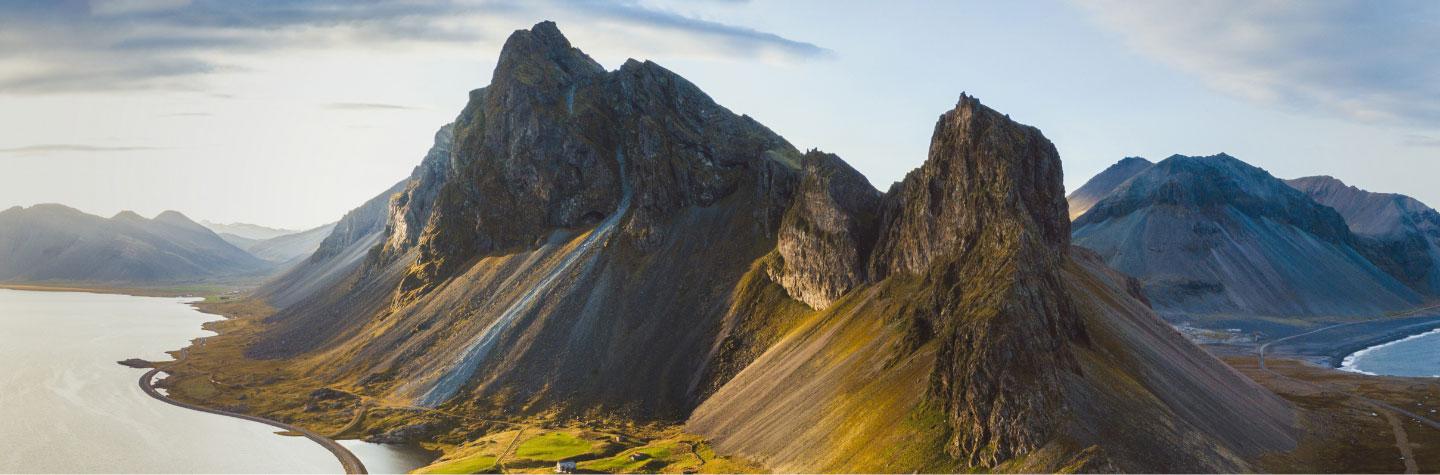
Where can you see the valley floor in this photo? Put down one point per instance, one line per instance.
(214, 372)
(1352, 423)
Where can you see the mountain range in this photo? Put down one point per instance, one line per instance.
(587, 243)
(1214, 237)
(246, 231)
(283, 249)
(54, 243)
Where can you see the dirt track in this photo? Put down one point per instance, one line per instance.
(348, 460)
(1390, 411)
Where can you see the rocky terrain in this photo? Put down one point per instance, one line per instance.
(615, 247)
(1403, 234)
(54, 243)
(1212, 236)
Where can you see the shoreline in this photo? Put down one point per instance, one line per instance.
(1332, 345)
(178, 290)
(1347, 363)
(348, 461)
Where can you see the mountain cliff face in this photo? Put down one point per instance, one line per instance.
(1213, 235)
(55, 243)
(585, 243)
(1103, 184)
(1403, 234)
(826, 236)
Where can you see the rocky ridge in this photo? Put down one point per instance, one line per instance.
(614, 244)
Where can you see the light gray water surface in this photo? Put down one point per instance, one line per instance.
(1416, 356)
(66, 406)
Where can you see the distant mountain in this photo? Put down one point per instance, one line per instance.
(284, 248)
(1216, 236)
(584, 242)
(52, 242)
(238, 241)
(247, 231)
(1103, 184)
(290, 247)
(1405, 233)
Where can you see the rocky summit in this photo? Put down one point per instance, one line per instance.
(592, 245)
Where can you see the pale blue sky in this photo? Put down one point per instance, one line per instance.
(289, 114)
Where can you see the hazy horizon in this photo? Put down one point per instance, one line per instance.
(288, 115)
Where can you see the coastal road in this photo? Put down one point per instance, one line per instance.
(1401, 439)
(1265, 347)
(348, 460)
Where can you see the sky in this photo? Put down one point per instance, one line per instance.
(289, 114)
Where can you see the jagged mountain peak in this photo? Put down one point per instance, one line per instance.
(542, 57)
(979, 159)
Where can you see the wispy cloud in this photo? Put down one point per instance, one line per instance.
(109, 45)
(365, 106)
(1351, 58)
(44, 149)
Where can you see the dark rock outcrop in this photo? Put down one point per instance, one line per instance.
(983, 224)
(828, 232)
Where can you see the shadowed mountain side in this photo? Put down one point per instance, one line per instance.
(1213, 235)
(56, 243)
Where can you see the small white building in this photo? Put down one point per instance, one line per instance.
(565, 466)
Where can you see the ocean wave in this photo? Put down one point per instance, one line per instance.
(1352, 361)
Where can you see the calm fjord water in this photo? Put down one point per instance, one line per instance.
(66, 406)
